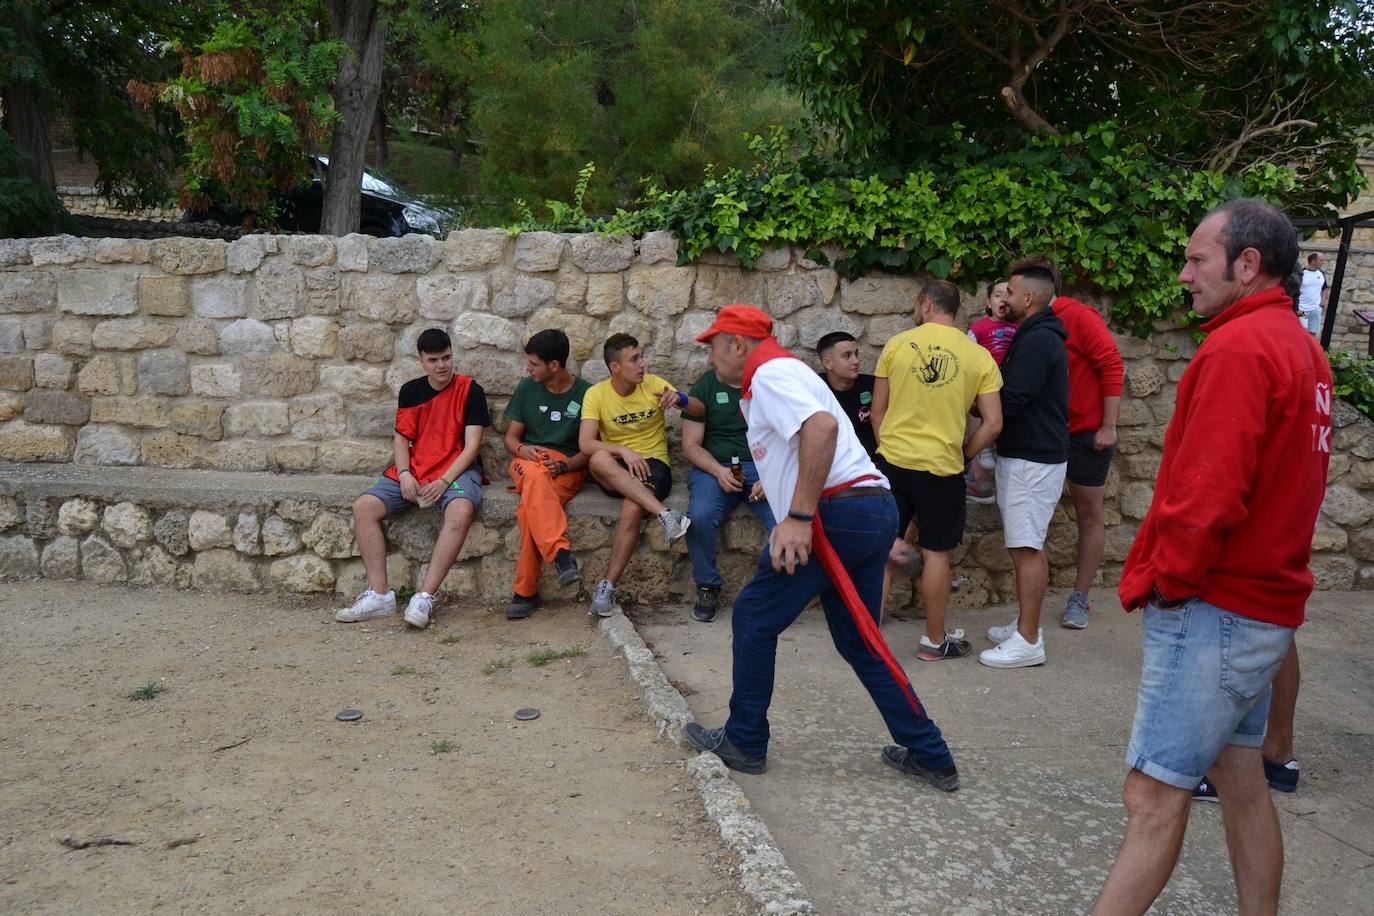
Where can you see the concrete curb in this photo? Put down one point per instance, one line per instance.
(764, 873)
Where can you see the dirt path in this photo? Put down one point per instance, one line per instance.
(243, 794)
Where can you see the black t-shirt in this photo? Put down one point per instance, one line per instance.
(857, 404)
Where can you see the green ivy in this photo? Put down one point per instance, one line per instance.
(1354, 380)
(1117, 218)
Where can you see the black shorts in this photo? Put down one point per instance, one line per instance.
(936, 502)
(1087, 466)
(660, 479)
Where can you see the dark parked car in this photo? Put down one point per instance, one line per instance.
(388, 209)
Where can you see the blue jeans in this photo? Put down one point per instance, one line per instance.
(708, 507)
(861, 529)
(1204, 684)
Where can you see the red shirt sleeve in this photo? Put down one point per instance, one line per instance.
(1098, 346)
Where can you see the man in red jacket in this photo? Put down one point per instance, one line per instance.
(1220, 562)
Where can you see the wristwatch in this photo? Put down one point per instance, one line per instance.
(1165, 604)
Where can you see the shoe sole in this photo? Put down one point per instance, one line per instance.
(750, 769)
(982, 500)
(571, 586)
(371, 615)
(1022, 663)
(1206, 798)
(950, 784)
(928, 657)
(416, 622)
(704, 618)
(1073, 625)
(598, 612)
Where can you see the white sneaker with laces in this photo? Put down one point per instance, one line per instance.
(418, 611)
(1015, 652)
(603, 599)
(369, 605)
(675, 525)
(1001, 634)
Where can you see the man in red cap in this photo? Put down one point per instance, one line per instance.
(817, 478)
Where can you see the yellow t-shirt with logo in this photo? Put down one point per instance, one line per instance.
(934, 374)
(634, 421)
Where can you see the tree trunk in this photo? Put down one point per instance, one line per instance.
(379, 132)
(360, 25)
(26, 120)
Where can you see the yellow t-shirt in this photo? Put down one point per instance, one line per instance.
(934, 374)
(635, 421)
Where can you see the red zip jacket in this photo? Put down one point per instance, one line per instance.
(1244, 469)
(1095, 368)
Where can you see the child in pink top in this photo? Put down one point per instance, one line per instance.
(994, 332)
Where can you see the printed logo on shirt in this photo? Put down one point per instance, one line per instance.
(626, 419)
(758, 451)
(573, 408)
(937, 366)
(543, 408)
(865, 397)
(1321, 432)
(722, 397)
(555, 416)
(865, 414)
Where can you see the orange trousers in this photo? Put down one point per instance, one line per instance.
(543, 523)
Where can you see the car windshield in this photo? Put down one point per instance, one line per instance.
(376, 182)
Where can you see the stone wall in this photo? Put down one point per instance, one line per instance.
(82, 201)
(281, 355)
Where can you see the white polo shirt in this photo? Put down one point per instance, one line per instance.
(1310, 296)
(784, 394)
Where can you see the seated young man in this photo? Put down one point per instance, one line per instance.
(723, 476)
(624, 435)
(548, 470)
(439, 421)
(839, 355)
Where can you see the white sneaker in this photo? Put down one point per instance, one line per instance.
(1015, 652)
(369, 605)
(675, 525)
(419, 609)
(603, 599)
(1001, 634)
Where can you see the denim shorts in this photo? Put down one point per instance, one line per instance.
(1204, 684)
(468, 486)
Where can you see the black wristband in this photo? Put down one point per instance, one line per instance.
(562, 467)
(400, 471)
(799, 516)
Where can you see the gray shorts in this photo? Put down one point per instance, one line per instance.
(468, 486)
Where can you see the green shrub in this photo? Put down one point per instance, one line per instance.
(1354, 380)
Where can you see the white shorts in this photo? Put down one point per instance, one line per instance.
(1311, 320)
(1027, 493)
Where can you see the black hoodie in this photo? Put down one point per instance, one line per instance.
(1035, 392)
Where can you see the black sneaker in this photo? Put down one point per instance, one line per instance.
(522, 607)
(707, 599)
(1283, 777)
(952, 647)
(1205, 791)
(946, 779)
(715, 741)
(569, 574)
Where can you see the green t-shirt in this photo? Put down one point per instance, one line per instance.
(725, 427)
(551, 420)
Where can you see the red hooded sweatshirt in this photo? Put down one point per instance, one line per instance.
(1095, 367)
(1244, 469)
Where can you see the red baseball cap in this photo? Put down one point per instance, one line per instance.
(745, 320)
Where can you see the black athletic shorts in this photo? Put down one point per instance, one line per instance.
(1087, 466)
(936, 502)
(660, 479)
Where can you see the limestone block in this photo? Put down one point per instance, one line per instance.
(198, 418)
(314, 337)
(279, 537)
(207, 530)
(257, 419)
(598, 294)
(1328, 537)
(403, 370)
(28, 292)
(352, 380)
(879, 295)
(152, 565)
(1340, 463)
(1344, 506)
(310, 250)
(473, 329)
(91, 291)
(460, 581)
(105, 445)
(210, 297)
(598, 254)
(163, 372)
(743, 531)
(497, 372)
(78, 516)
(190, 256)
(198, 336)
(387, 299)
(223, 570)
(132, 334)
(370, 342)
(40, 517)
(827, 282)
(246, 253)
(443, 297)
(570, 292)
(1361, 474)
(584, 332)
(71, 337)
(143, 412)
(319, 416)
(352, 578)
(1333, 572)
(351, 252)
(480, 542)
(11, 405)
(812, 324)
(298, 510)
(11, 513)
(322, 291)
(1343, 414)
(538, 251)
(657, 291)
(372, 421)
(531, 295)
(1141, 465)
(62, 559)
(474, 249)
(656, 346)
(788, 293)
(11, 335)
(53, 371)
(18, 556)
(57, 249)
(14, 251)
(990, 552)
(1357, 440)
(587, 533)
(277, 376)
(216, 380)
(243, 455)
(172, 532)
(38, 331)
(692, 324)
(280, 292)
(331, 537)
(126, 524)
(717, 287)
(21, 441)
(1135, 413)
(656, 246)
(413, 533)
(410, 254)
(246, 532)
(344, 456)
(294, 456)
(1135, 499)
(1174, 345)
(101, 562)
(1144, 380)
(43, 405)
(302, 573)
(247, 337)
(1362, 543)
